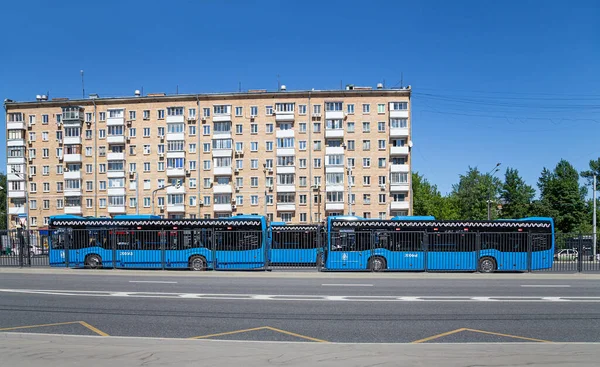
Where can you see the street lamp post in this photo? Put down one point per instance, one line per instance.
(349, 170)
(489, 201)
(266, 190)
(594, 217)
(154, 193)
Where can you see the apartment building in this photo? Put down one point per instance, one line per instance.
(295, 156)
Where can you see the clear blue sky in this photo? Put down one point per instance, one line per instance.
(516, 82)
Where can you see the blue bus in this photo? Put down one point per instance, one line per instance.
(142, 241)
(295, 245)
(427, 244)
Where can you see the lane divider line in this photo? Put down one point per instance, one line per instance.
(258, 329)
(437, 336)
(93, 328)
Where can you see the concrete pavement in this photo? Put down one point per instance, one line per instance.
(59, 351)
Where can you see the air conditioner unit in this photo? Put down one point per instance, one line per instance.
(129, 122)
(60, 158)
(233, 207)
(131, 173)
(88, 123)
(382, 186)
(31, 176)
(187, 172)
(161, 207)
(270, 170)
(191, 119)
(239, 152)
(30, 143)
(30, 124)
(233, 201)
(236, 170)
(66, 169)
(316, 115)
(161, 154)
(237, 189)
(60, 141)
(161, 137)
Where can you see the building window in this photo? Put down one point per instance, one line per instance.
(366, 162)
(89, 168)
(382, 198)
(206, 112)
(302, 145)
(381, 126)
(302, 109)
(317, 163)
(146, 114)
(239, 111)
(132, 115)
(302, 127)
(317, 110)
(268, 110)
(253, 128)
(317, 145)
(317, 127)
(146, 166)
(102, 116)
(366, 180)
(254, 146)
(269, 146)
(381, 144)
(89, 186)
(254, 199)
(206, 147)
(192, 165)
(380, 108)
(366, 145)
(192, 113)
(367, 198)
(366, 127)
(253, 111)
(399, 106)
(366, 108)
(350, 109)
(239, 129)
(160, 114)
(381, 162)
(206, 130)
(302, 162)
(269, 128)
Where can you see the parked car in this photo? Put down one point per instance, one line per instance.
(566, 255)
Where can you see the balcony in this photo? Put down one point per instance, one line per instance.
(72, 158)
(286, 151)
(175, 136)
(399, 205)
(16, 143)
(175, 172)
(16, 193)
(334, 206)
(222, 152)
(222, 171)
(286, 207)
(115, 156)
(221, 135)
(222, 189)
(286, 188)
(15, 125)
(115, 139)
(175, 190)
(222, 207)
(116, 174)
(115, 121)
(399, 150)
(176, 208)
(221, 117)
(116, 209)
(398, 132)
(116, 191)
(283, 116)
(334, 115)
(399, 168)
(72, 140)
(16, 177)
(334, 188)
(175, 119)
(73, 209)
(16, 160)
(402, 114)
(175, 154)
(72, 192)
(334, 169)
(334, 150)
(399, 186)
(334, 133)
(289, 133)
(72, 175)
(16, 210)
(286, 169)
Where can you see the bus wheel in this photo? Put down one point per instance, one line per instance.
(93, 262)
(377, 264)
(197, 263)
(487, 265)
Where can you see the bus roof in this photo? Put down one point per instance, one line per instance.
(414, 217)
(136, 217)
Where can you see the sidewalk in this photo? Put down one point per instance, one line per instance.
(33, 350)
(305, 274)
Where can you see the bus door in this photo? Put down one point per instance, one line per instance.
(238, 248)
(348, 250)
(136, 248)
(452, 251)
(401, 250)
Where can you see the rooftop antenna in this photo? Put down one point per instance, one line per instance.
(177, 89)
(401, 79)
(82, 85)
(240, 87)
(341, 84)
(278, 84)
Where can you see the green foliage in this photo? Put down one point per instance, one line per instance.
(472, 193)
(594, 170)
(429, 201)
(562, 198)
(516, 196)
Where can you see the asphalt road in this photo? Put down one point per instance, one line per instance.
(333, 309)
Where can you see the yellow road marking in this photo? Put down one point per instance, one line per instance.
(257, 329)
(296, 335)
(40, 325)
(508, 335)
(92, 328)
(433, 337)
(229, 333)
(439, 335)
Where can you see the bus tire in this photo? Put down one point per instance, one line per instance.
(377, 263)
(487, 265)
(197, 263)
(93, 261)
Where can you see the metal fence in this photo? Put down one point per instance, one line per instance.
(377, 250)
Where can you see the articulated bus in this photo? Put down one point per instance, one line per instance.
(141, 241)
(295, 245)
(425, 244)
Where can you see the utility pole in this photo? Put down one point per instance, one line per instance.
(594, 217)
(137, 194)
(349, 191)
(489, 201)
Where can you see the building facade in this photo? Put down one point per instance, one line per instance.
(295, 156)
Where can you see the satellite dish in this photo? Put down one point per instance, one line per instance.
(410, 144)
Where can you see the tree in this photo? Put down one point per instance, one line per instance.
(3, 189)
(594, 170)
(562, 198)
(427, 200)
(472, 193)
(516, 195)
